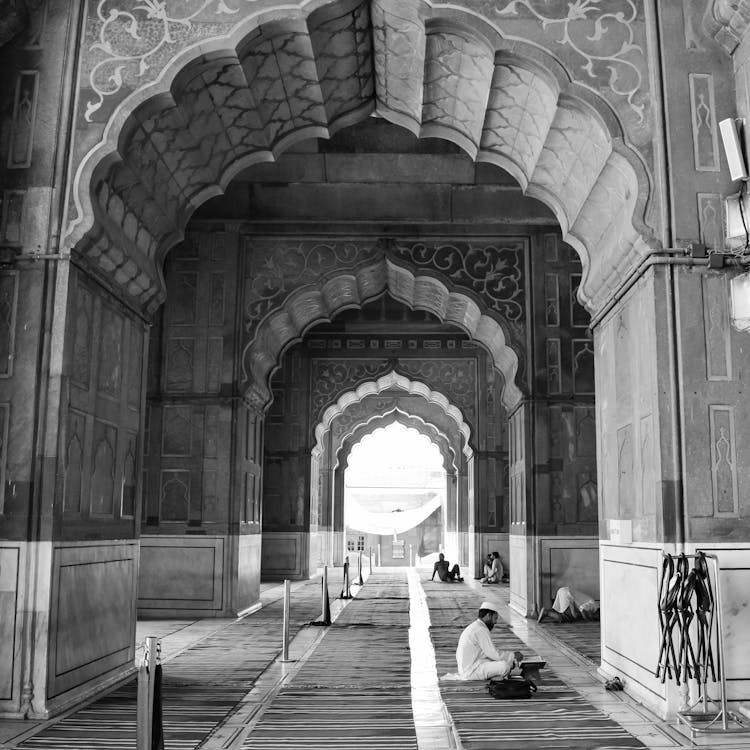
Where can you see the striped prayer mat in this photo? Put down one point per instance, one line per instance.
(555, 717)
(201, 686)
(353, 693)
(583, 637)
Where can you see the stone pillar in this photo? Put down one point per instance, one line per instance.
(338, 530)
(521, 544)
(673, 426)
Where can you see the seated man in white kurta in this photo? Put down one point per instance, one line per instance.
(477, 657)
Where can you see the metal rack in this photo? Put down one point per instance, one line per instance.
(698, 717)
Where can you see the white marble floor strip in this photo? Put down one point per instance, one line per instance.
(432, 721)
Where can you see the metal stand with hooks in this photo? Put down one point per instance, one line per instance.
(704, 720)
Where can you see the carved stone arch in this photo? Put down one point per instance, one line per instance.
(272, 77)
(313, 304)
(390, 381)
(380, 421)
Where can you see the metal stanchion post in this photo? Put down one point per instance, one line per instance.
(326, 613)
(285, 631)
(411, 556)
(145, 694)
(360, 581)
(379, 558)
(370, 560)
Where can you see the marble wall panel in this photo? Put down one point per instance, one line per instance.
(9, 561)
(92, 614)
(163, 582)
(8, 308)
(734, 582)
(571, 561)
(249, 562)
(630, 627)
(518, 574)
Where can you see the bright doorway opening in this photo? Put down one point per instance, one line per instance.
(395, 497)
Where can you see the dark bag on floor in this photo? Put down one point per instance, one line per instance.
(511, 687)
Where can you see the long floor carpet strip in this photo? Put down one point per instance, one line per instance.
(556, 717)
(353, 693)
(582, 637)
(200, 686)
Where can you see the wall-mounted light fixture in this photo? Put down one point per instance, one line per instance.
(739, 289)
(737, 221)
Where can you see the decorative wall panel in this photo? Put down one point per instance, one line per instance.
(554, 367)
(81, 370)
(9, 558)
(711, 220)
(723, 460)
(12, 221)
(8, 307)
(21, 140)
(177, 431)
(4, 422)
(74, 462)
(183, 299)
(717, 327)
(583, 366)
(93, 586)
(110, 353)
(162, 583)
(705, 128)
(103, 475)
(625, 471)
(551, 299)
(180, 358)
(175, 496)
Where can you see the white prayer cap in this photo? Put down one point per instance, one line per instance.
(489, 605)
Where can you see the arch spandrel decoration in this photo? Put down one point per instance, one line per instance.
(455, 377)
(391, 380)
(309, 305)
(241, 82)
(380, 421)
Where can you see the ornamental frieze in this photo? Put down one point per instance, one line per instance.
(454, 378)
(494, 271)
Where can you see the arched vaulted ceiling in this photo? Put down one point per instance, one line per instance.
(392, 380)
(438, 72)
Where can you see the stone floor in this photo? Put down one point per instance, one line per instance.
(368, 681)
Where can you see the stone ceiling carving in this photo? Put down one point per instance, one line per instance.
(391, 380)
(243, 100)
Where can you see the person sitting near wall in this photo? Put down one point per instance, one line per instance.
(571, 605)
(445, 572)
(495, 572)
(487, 568)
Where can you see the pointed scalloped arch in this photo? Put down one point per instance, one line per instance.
(283, 74)
(315, 304)
(383, 383)
(374, 422)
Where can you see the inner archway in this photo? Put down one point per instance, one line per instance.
(394, 496)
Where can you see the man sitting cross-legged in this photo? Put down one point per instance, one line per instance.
(476, 655)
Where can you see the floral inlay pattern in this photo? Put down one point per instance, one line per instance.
(602, 35)
(131, 35)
